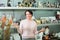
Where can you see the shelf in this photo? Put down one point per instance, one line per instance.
(49, 24)
(45, 24)
(32, 8)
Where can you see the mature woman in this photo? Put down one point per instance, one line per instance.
(28, 27)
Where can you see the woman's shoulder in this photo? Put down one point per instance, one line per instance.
(34, 22)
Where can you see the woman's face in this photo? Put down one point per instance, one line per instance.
(28, 15)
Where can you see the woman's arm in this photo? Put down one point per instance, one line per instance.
(35, 29)
(18, 27)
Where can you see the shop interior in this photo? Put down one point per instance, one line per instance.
(45, 13)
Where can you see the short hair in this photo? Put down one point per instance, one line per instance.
(30, 11)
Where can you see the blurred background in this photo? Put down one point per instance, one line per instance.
(45, 13)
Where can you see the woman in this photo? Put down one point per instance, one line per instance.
(28, 27)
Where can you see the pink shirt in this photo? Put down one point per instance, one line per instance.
(28, 29)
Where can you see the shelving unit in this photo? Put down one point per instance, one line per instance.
(44, 24)
(31, 8)
(17, 12)
(24, 8)
(48, 24)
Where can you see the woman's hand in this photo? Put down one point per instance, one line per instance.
(15, 25)
(42, 30)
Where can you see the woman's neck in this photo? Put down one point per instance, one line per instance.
(29, 19)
